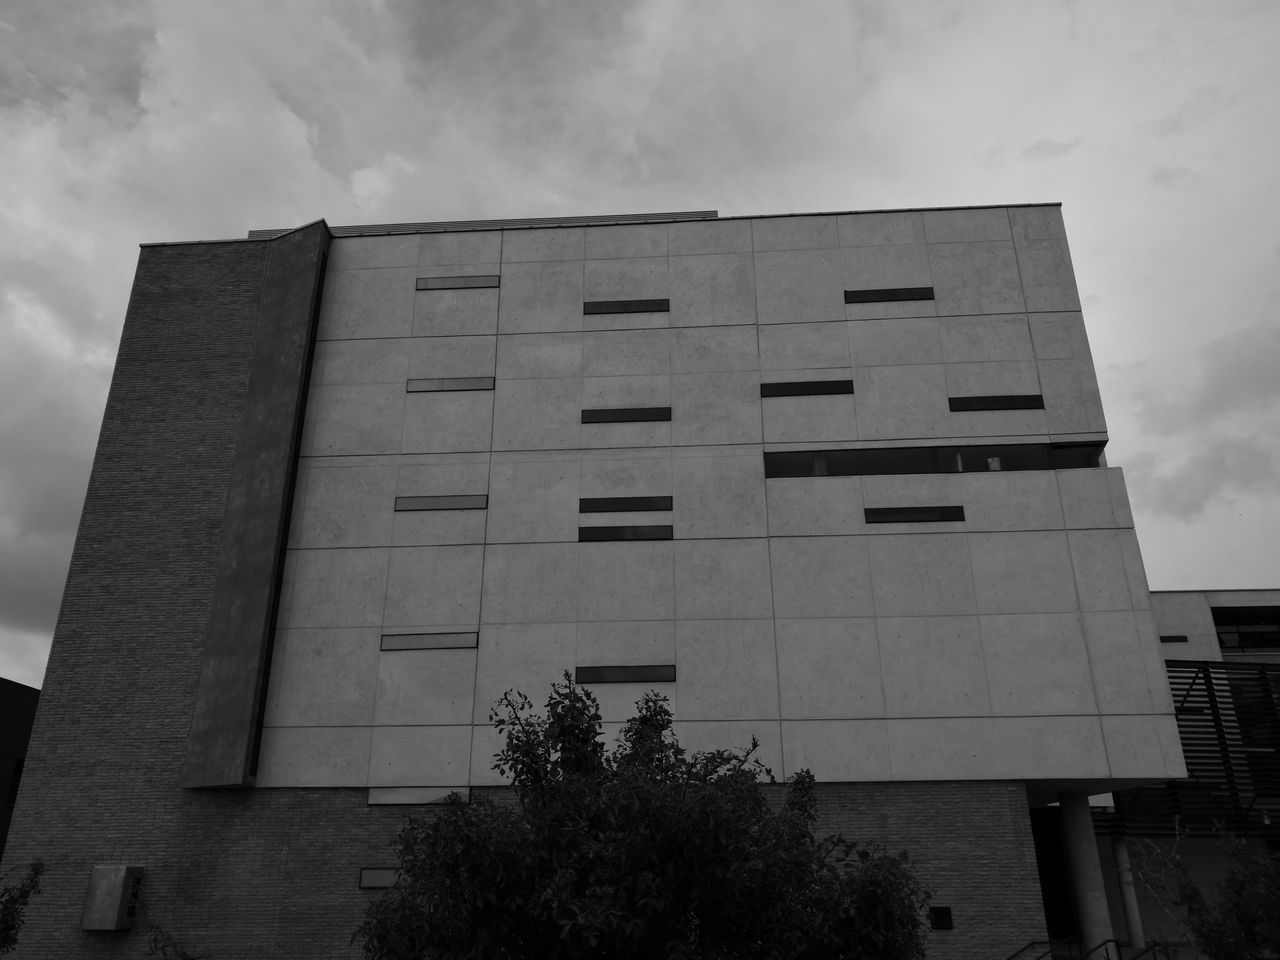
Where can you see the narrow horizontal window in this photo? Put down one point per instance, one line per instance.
(442, 384)
(888, 294)
(654, 673)
(1173, 638)
(622, 504)
(1008, 401)
(458, 283)
(806, 388)
(627, 415)
(597, 534)
(940, 919)
(468, 501)
(427, 641)
(378, 878)
(913, 514)
(626, 306)
(895, 461)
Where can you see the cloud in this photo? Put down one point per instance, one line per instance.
(1050, 149)
(1221, 469)
(1173, 176)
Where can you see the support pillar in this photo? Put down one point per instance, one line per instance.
(1085, 869)
(1128, 893)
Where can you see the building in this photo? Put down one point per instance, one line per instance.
(17, 713)
(833, 481)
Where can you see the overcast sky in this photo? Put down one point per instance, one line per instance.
(1154, 122)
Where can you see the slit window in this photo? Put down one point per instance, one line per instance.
(1019, 401)
(639, 532)
(1173, 638)
(627, 415)
(443, 384)
(478, 501)
(378, 878)
(651, 673)
(458, 283)
(888, 295)
(622, 504)
(899, 461)
(626, 306)
(913, 514)
(428, 641)
(806, 388)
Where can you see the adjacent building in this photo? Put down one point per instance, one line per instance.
(836, 482)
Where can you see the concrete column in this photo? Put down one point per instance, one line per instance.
(1128, 892)
(1085, 869)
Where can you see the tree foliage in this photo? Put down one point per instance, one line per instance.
(13, 905)
(641, 851)
(1240, 920)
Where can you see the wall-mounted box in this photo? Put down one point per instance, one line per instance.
(111, 902)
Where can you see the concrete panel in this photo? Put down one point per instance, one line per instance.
(359, 361)
(799, 286)
(722, 578)
(794, 233)
(618, 353)
(653, 390)
(485, 742)
(829, 669)
(446, 477)
(953, 748)
(1051, 748)
(447, 422)
(932, 667)
(367, 303)
(719, 496)
(1171, 747)
(314, 757)
(889, 342)
(883, 309)
(606, 436)
(837, 750)
(1036, 223)
(627, 321)
(533, 501)
(1021, 500)
(821, 577)
(715, 408)
(626, 581)
(900, 403)
(522, 356)
(541, 297)
(1099, 568)
(1086, 498)
(637, 278)
(811, 345)
(1037, 663)
(974, 339)
(924, 574)
(874, 268)
(554, 243)
(913, 490)
(527, 657)
(1119, 496)
(347, 419)
(434, 587)
(1064, 401)
(727, 670)
(322, 678)
(427, 528)
(630, 240)
(455, 312)
(335, 588)
(996, 377)
(344, 506)
(880, 229)
(419, 756)
(1023, 572)
(638, 476)
(530, 583)
(425, 687)
(709, 236)
(960, 226)
(712, 290)
(815, 506)
(451, 357)
(1134, 746)
(618, 700)
(734, 735)
(1058, 336)
(459, 247)
(822, 419)
(975, 278)
(537, 414)
(1187, 614)
(1139, 594)
(362, 253)
(1048, 280)
(622, 643)
(718, 350)
(1119, 668)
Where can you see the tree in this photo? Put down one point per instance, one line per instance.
(642, 851)
(13, 905)
(1240, 921)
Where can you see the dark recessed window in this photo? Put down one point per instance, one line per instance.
(896, 461)
(1010, 401)
(888, 294)
(427, 641)
(458, 283)
(469, 501)
(378, 878)
(656, 673)
(940, 919)
(442, 384)
(1247, 628)
(622, 504)
(598, 534)
(913, 514)
(806, 388)
(626, 306)
(627, 415)
(1173, 638)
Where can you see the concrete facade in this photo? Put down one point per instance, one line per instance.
(916, 578)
